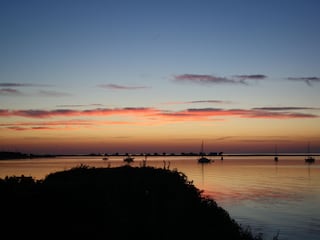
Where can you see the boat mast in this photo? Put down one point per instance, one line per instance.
(308, 149)
(202, 147)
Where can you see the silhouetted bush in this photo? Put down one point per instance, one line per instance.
(113, 203)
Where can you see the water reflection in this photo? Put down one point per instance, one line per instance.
(202, 175)
(276, 167)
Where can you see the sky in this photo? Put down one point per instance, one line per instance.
(80, 77)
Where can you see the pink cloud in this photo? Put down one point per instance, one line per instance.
(206, 113)
(67, 124)
(10, 91)
(69, 112)
(142, 116)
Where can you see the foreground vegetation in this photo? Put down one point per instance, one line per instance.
(112, 203)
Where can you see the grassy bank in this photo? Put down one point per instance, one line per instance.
(113, 203)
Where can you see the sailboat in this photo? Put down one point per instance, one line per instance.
(309, 158)
(128, 159)
(276, 159)
(202, 158)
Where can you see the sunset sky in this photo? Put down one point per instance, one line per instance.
(159, 76)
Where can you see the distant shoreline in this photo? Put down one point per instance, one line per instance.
(19, 155)
(270, 154)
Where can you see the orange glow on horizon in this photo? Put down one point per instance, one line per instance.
(154, 130)
(79, 144)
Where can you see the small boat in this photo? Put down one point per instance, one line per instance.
(203, 158)
(221, 154)
(128, 159)
(309, 158)
(105, 158)
(276, 158)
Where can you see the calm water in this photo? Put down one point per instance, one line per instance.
(256, 191)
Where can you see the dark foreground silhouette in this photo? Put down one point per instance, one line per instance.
(112, 203)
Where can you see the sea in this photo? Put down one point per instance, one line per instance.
(274, 199)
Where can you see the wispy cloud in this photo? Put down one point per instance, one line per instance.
(62, 125)
(210, 101)
(204, 79)
(308, 80)
(211, 79)
(244, 78)
(6, 84)
(16, 85)
(49, 125)
(198, 102)
(208, 113)
(79, 105)
(10, 92)
(53, 93)
(251, 77)
(279, 114)
(11, 89)
(284, 108)
(121, 87)
(71, 122)
(17, 128)
(70, 112)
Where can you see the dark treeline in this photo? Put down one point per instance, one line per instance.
(19, 155)
(113, 203)
(13, 155)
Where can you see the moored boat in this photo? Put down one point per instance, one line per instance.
(128, 159)
(276, 158)
(203, 158)
(309, 158)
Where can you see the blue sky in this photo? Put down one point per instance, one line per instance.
(167, 55)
